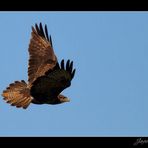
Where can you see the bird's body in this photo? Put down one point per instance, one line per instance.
(46, 77)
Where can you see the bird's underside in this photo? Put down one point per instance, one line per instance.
(46, 77)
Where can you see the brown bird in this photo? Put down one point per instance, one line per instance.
(46, 77)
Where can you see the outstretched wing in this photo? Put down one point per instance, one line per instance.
(42, 57)
(54, 81)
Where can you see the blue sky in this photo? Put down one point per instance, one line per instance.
(109, 94)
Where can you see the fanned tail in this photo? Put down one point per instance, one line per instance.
(17, 94)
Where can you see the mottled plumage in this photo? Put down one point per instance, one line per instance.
(46, 77)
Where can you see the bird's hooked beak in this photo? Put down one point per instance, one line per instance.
(65, 100)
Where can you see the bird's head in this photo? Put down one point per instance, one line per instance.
(63, 98)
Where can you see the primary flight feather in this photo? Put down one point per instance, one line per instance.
(47, 78)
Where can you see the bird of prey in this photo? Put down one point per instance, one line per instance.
(47, 78)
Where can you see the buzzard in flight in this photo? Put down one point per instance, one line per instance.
(47, 78)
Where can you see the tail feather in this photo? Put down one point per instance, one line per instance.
(17, 94)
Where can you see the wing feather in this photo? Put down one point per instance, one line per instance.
(53, 82)
(42, 57)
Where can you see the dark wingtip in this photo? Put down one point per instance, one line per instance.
(42, 31)
(51, 41)
(73, 73)
(71, 67)
(37, 28)
(46, 32)
(41, 28)
(57, 65)
(67, 65)
(36, 25)
(62, 64)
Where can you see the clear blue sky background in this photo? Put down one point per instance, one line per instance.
(109, 94)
